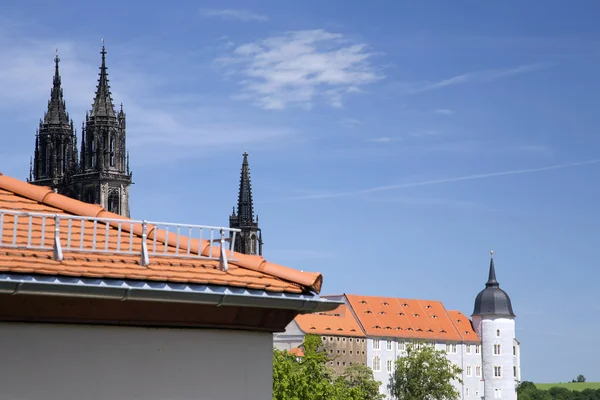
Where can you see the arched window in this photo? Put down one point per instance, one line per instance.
(114, 203)
(497, 332)
(253, 244)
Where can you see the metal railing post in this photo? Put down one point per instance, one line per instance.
(57, 248)
(144, 259)
(222, 256)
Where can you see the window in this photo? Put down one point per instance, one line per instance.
(93, 159)
(112, 151)
(376, 363)
(447, 348)
(497, 350)
(497, 371)
(478, 371)
(343, 339)
(469, 371)
(497, 393)
(497, 332)
(514, 350)
(400, 345)
(476, 393)
(376, 344)
(477, 349)
(390, 365)
(324, 338)
(466, 392)
(515, 372)
(454, 348)
(389, 344)
(468, 348)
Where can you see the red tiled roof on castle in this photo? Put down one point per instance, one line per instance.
(410, 319)
(338, 322)
(252, 272)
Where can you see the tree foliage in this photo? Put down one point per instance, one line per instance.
(309, 377)
(528, 391)
(424, 374)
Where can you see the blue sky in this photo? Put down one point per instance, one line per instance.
(392, 145)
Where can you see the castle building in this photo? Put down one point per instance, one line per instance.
(343, 338)
(100, 174)
(485, 348)
(249, 240)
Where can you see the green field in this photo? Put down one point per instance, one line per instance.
(569, 385)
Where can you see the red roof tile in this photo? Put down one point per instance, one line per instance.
(406, 318)
(338, 322)
(252, 272)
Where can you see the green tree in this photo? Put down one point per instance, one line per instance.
(309, 377)
(424, 374)
(359, 379)
(580, 378)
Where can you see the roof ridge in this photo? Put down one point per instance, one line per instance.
(44, 195)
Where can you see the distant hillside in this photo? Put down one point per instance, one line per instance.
(569, 385)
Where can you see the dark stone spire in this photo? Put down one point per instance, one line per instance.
(249, 240)
(103, 105)
(57, 109)
(245, 206)
(54, 155)
(493, 301)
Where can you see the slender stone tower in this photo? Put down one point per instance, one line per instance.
(249, 240)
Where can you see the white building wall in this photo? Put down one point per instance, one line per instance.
(457, 353)
(291, 338)
(488, 328)
(53, 361)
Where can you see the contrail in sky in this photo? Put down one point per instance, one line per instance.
(434, 182)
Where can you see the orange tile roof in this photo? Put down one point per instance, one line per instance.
(296, 351)
(338, 322)
(407, 318)
(252, 272)
(463, 325)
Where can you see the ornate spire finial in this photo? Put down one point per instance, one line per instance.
(492, 275)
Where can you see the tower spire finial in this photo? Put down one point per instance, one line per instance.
(492, 274)
(103, 105)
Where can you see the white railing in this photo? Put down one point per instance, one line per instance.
(60, 233)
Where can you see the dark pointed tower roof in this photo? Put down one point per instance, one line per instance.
(103, 105)
(493, 301)
(245, 205)
(57, 109)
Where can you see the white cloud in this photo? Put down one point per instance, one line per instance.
(444, 111)
(386, 188)
(231, 14)
(349, 122)
(300, 67)
(383, 139)
(488, 75)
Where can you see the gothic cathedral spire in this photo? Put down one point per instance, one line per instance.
(104, 177)
(249, 240)
(55, 155)
(101, 175)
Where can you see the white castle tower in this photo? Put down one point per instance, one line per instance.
(494, 322)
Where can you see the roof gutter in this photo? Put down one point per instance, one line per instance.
(161, 292)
